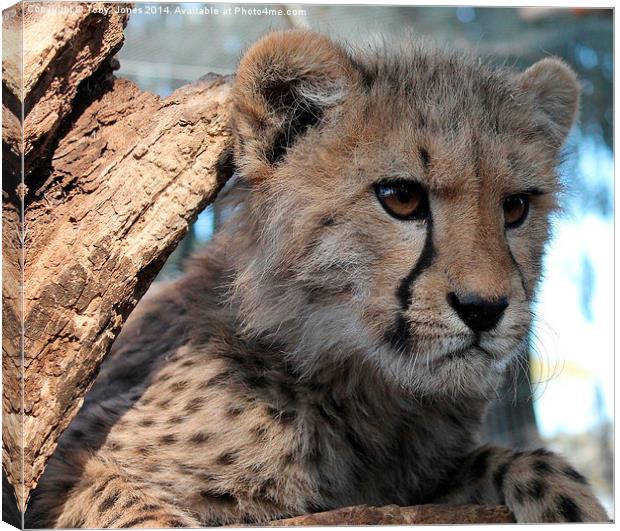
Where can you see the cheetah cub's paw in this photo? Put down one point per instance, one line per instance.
(541, 486)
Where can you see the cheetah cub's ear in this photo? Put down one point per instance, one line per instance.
(555, 89)
(285, 84)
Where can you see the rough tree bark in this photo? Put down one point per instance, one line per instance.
(112, 178)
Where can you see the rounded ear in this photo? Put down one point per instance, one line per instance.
(555, 89)
(284, 84)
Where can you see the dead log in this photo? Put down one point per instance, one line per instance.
(123, 174)
(12, 262)
(127, 181)
(63, 45)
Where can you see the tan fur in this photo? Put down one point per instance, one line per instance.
(309, 359)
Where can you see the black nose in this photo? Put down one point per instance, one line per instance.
(478, 313)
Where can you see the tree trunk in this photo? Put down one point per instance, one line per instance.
(114, 177)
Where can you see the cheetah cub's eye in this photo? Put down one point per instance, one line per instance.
(516, 208)
(403, 199)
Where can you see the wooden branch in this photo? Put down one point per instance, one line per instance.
(12, 266)
(11, 341)
(63, 45)
(126, 173)
(395, 515)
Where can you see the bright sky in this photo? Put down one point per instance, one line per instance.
(574, 333)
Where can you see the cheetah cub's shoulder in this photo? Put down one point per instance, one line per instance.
(337, 341)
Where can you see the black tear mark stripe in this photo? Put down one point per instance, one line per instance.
(398, 336)
(426, 259)
(518, 268)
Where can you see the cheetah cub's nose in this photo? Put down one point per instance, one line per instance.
(478, 313)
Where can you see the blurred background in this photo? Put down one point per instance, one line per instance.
(563, 396)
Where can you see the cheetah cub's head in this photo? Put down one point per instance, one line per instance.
(398, 205)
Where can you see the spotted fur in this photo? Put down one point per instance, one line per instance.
(310, 358)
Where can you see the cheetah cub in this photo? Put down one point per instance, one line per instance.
(339, 339)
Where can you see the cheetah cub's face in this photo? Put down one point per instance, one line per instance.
(400, 203)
